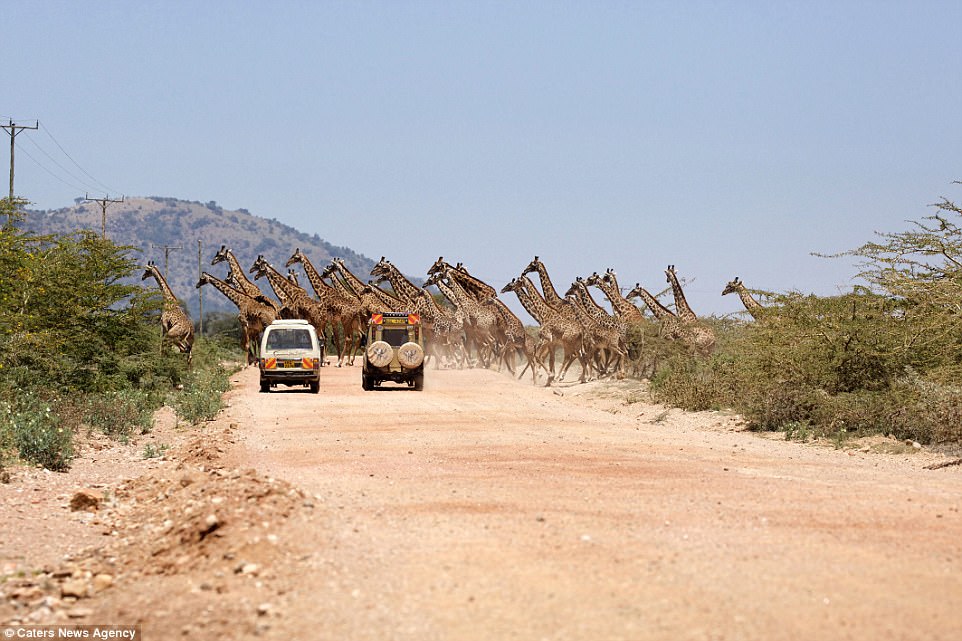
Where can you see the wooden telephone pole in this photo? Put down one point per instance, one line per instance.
(13, 129)
(103, 208)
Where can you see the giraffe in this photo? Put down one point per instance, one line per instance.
(299, 301)
(475, 286)
(751, 305)
(410, 295)
(344, 308)
(670, 325)
(610, 332)
(176, 327)
(253, 313)
(556, 332)
(516, 340)
(447, 329)
(703, 338)
(224, 254)
(404, 289)
(482, 326)
(619, 304)
(284, 308)
(388, 302)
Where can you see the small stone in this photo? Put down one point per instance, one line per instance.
(263, 609)
(79, 613)
(250, 569)
(102, 582)
(916, 445)
(88, 500)
(75, 588)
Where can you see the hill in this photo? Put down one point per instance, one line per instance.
(152, 223)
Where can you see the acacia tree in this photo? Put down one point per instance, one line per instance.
(921, 270)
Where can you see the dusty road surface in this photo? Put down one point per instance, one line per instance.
(484, 508)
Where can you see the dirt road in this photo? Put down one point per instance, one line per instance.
(482, 508)
(485, 508)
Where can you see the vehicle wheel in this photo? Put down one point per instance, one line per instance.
(410, 355)
(419, 382)
(265, 386)
(315, 387)
(366, 383)
(379, 354)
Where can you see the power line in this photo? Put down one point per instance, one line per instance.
(64, 169)
(55, 176)
(47, 131)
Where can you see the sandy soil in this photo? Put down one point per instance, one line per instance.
(485, 508)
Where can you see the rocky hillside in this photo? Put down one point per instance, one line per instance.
(152, 223)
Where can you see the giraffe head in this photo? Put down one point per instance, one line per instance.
(573, 289)
(328, 272)
(296, 257)
(732, 286)
(222, 255)
(204, 279)
(513, 286)
(593, 280)
(636, 292)
(292, 276)
(434, 278)
(382, 270)
(231, 279)
(260, 267)
(533, 266)
(439, 266)
(670, 273)
(150, 270)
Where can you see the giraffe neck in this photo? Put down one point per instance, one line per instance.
(551, 296)
(750, 303)
(234, 295)
(463, 300)
(246, 285)
(342, 289)
(508, 315)
(659, 310)
(353, 281)
(681, 303)
(532, 302)
(314, 278)
(621, 305)
(283, 288)
(470, 283)
(402, 286)
(165, 290)
(592, 308)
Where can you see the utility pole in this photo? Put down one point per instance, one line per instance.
(167, 250)
(200, 291)
(103, 210)
(13, 129)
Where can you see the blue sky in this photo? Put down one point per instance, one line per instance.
(727, 138)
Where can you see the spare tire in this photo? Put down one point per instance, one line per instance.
(379, 354)
(410, 355)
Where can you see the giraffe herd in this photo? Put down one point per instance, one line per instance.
(475, 328)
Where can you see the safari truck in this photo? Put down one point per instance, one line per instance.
(395, 350)
(290, 355)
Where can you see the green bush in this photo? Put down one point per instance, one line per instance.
(37, 432)
(204, 386)
(121, 413)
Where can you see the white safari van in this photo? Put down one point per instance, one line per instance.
(290, 355)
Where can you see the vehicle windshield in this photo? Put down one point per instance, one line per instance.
(395, 337)
(289, 339)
